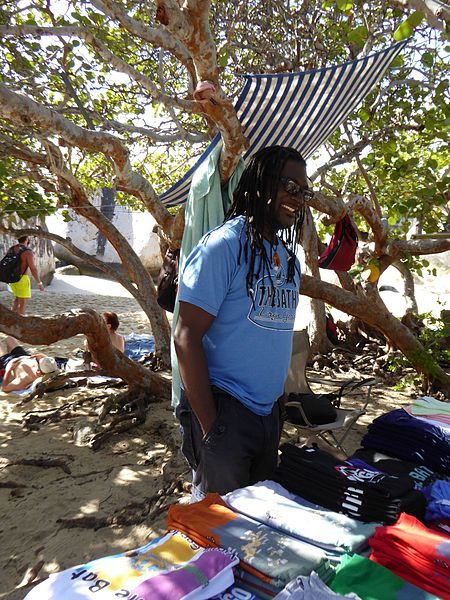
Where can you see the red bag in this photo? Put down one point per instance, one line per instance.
(340, 253)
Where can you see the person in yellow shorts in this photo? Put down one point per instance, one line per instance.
(22, 288)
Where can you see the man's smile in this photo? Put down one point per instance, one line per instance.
(289, 208)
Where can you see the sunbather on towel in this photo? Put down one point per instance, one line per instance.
(117, 340)
(21, 369)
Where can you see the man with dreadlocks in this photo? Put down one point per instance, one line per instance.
(238, 296)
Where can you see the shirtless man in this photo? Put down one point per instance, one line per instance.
(22, 288)
(112, 323)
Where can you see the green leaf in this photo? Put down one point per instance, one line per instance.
(222, 59)
(344, 5)
(416, 18)
(364, 114)
(442, 86)
(427, 59)
(408, 26)
(398, 61)
(358, 36)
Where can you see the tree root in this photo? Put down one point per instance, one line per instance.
(10, 485)
(133, 406)
(61, 380)
(130, 406)
(43, 461)
(131, 514)
(31, 574)
(119, 425)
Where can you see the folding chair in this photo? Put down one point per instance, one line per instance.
(336, 432)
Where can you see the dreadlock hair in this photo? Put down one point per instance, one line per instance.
(253, 198)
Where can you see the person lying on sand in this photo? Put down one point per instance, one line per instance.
(20, 369)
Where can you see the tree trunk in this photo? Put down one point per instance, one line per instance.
(368, 306)
(408, 286)
(38, 330)
(317, 327)
(144, 291)
(133, 266)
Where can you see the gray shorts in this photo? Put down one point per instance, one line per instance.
(240, 449)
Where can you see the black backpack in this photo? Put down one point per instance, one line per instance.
(167, 284)
(10, 271)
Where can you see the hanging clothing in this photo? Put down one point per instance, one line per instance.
(207, 203)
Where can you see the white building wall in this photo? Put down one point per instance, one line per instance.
(136, 227)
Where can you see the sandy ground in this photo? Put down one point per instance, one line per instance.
(134, 476)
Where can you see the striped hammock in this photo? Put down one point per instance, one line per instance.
(300, 110)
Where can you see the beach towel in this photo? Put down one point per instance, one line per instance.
(169, 568)
(138, 345)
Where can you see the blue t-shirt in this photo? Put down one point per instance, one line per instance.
(248, 346)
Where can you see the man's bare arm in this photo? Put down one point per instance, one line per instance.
(193, 322)
(32, 266)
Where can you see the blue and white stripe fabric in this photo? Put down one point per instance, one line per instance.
(300, 110)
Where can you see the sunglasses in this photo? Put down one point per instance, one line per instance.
(293, 189)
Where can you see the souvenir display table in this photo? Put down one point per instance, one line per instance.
(374, 526)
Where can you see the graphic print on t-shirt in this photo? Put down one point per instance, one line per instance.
(360, 475)
(275, 301)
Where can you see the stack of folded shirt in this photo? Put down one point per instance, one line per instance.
(415, 553)
(421, 475)
(269, 559)
(310, 588)
(171, 567)
(438, 505)
(270, 503)
(234, 592)
(431, 411)
(399, 434)
(363, 494)
(371, 581)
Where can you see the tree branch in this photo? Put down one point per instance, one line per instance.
(158, 37)
(40, 331)
(67, 243)
(24, 111)
(152, 134)
(368, 306)
(79, 202)
(108, 57)
(436, 13)
(190, 25)
(398, 248)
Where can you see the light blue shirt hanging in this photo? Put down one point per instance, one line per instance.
(206, 206)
